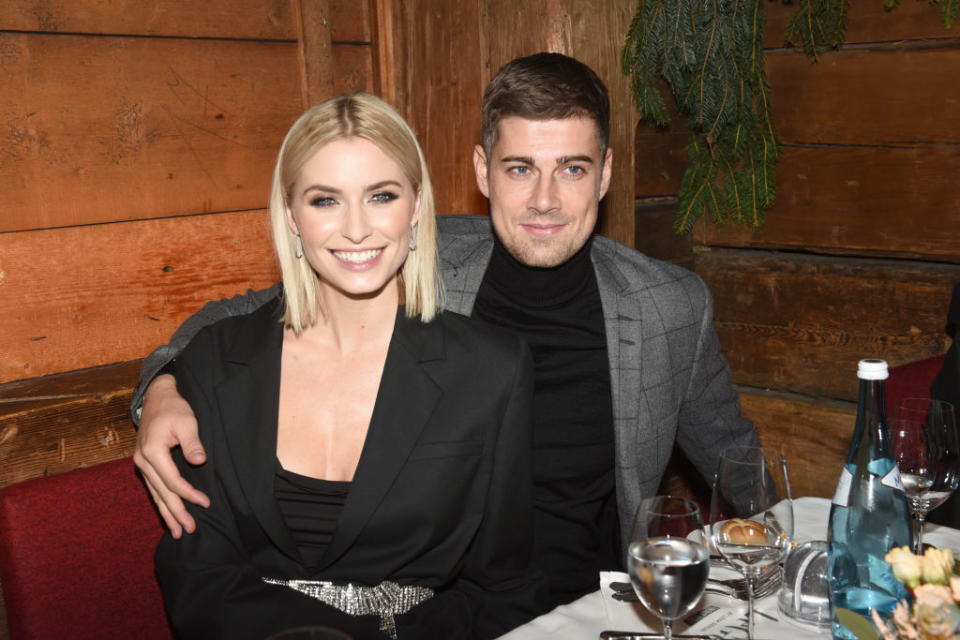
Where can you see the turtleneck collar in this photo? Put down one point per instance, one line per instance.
(539, 286)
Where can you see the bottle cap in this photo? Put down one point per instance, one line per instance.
(872, 369)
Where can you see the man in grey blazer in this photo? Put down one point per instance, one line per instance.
(626, 356)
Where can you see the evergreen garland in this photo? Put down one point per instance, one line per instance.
(823, 23)
(819, 23)
(710, 53)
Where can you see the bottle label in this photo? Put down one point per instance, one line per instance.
(892, 479)
(841, 496)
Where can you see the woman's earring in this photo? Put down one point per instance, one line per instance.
(413, 236)
(299, 246)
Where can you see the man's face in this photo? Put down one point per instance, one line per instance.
(544, 180)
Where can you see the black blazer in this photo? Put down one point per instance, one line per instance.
(441, 497)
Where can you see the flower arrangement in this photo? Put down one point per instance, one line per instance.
(934, 579)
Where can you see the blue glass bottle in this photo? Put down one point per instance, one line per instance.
(869, 515)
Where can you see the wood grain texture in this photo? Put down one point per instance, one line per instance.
(63, 422)
(87, 296)
(104, 129)
(248, 19)
(892, 96)
(882, 201)
(435, 80)
(594, 33)
(314, 57)
(814, 436)
(802, 322)
(868, 22)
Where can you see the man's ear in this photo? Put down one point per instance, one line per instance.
(607, 172)
(480, 169)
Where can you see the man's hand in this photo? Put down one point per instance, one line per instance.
(167, 421)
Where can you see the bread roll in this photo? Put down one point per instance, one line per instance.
(740, 531)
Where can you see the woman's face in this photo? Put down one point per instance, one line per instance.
(353, 206)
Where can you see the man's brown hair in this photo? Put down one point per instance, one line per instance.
(545, 86)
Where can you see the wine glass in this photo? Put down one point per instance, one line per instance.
(751, 512)
(667, 559)
(923, 436)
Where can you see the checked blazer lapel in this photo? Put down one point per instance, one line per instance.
(249, 398)
(405, 402)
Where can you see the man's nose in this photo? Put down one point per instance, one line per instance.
(545, 197)
(356, 224)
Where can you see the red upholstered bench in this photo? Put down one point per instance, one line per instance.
(76, 556)
(912, 380)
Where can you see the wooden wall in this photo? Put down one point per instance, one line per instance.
(860, 253)
(136, 145)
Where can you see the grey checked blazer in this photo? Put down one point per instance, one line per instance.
(670, 383)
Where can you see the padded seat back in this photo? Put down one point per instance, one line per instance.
(76, 556)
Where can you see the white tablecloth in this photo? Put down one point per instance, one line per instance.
(585, 618)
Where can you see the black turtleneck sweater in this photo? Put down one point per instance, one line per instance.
(558, 311)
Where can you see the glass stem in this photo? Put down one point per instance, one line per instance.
(918, 533)
(667, 629)
(751, 580)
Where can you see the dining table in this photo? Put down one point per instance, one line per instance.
(716, 616)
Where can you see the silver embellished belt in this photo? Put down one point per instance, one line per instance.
(386, 600)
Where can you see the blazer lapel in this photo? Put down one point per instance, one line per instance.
(405, 402)
(249, 399)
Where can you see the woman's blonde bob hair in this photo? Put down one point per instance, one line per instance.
(364, 116)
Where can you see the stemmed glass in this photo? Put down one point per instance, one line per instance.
(923, 435)
(751, 512)
(667, 559)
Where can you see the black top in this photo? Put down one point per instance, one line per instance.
(558, 311)
(310, 508)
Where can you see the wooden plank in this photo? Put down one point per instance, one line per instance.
(868, 21)
(56, 434)
(814, 436)
(253, 19)
(351, 21)
(86, 296)
(440, 95)
(801, 322)
(890, 201)
(313, 51)
(106, 129)
(898, 96)
(353, 68)
(585, 30)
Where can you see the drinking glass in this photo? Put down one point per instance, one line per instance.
(923, 435)
(667, 559)
(751, 513)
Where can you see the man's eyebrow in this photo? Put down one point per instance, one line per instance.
(520, 159)
(580, 158)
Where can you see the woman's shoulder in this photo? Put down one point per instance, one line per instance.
(242, 332)
(479, 337)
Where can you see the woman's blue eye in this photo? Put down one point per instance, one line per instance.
(322, 201)
(384, 196)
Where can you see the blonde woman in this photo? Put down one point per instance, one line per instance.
(368, 454)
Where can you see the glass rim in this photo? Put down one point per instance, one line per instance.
(691, 506)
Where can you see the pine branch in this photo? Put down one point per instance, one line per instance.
(710, 54)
